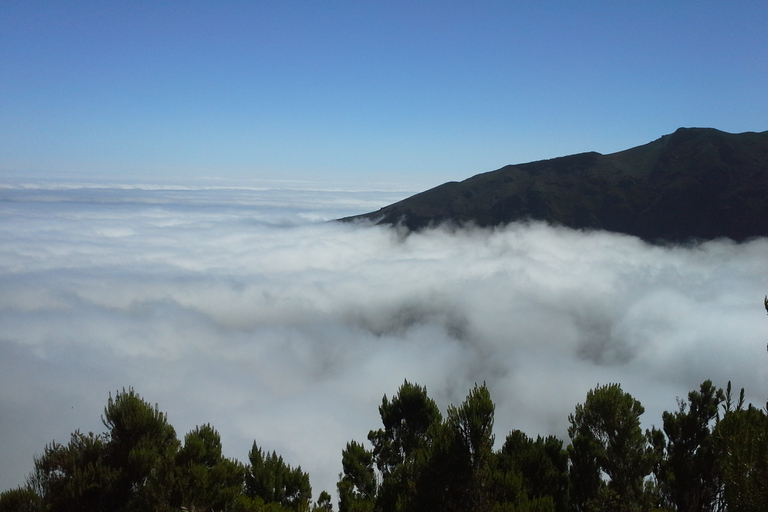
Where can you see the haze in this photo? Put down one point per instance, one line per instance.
(166, 171)
(394, 92)
(279, 327)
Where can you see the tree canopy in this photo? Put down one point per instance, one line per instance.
(139, 464)
(711, 455)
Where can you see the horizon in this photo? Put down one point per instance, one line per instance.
(245, 309)
(167, 171)
(399, 94)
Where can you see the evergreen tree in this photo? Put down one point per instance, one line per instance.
(130, 467)
(742, 440)
(357, 485)
(76, 475)
(206, 480)
(457, 473)
(21, 499)
(541, 466)
(141, 450)
(273, 481)
(687, 475)
(472, 424)
(409, 420)
(606, 438)
(323, 503)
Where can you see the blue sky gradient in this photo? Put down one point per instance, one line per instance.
(404, 93)
(167, 168)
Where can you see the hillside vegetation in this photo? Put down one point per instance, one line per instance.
(697, 183)
(710, 455)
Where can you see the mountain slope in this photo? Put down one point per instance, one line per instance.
(697, 183)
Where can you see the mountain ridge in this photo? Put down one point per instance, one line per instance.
(693, 184)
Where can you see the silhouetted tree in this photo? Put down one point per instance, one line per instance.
(742, 438)
(141, 449)
(273, 481)
(206, 480)
(21, 499)
(687, 474)
(130, 467)
(456, 474)
(606, 438)
(76, 475)
(323, 503)
(409, 421)
(357, 485)
(542, 466)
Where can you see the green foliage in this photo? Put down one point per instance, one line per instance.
(585, 478)
(606, 438)
(687, 474)
(130, 467)
(742, 440)
(407, 420)
(21, 499)
(256, 504)
(357, 487)
(206, 480)
(472, 422)
(455, 474)
(427, 464)
(269, 478)
(75, 475)
(141, 450)
(471, 426)
(443, 477)
(323, 503)
(541, 466)
(139, 465)
(422, 462)
(398, 449)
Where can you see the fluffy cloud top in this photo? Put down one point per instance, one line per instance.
(245, 309)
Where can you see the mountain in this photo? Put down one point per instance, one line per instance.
(693, 184)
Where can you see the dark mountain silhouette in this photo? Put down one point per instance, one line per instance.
(696, 183)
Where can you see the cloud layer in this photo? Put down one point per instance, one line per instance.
(243, 308)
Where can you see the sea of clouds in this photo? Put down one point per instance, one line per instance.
(245, 308)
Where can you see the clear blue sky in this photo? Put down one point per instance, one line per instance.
(418, 92)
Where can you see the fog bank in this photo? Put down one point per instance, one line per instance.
(246, 309)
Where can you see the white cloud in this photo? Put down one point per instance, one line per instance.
(241, 309)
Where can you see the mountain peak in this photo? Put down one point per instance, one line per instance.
(695, 183)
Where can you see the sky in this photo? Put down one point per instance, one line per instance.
(414, 93)
(167, 170)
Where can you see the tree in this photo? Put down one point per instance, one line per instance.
(472, 421)
(21, 499)
(409, 421)
(269, 478)
(456, 475)
(76, 474)
(357, 485)
(540, 466)
(585, 478)
(687, 474)
(742, 439)
(206, 479)
(130, 467)
(606, 438)
(141, 449)
(323, 503)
